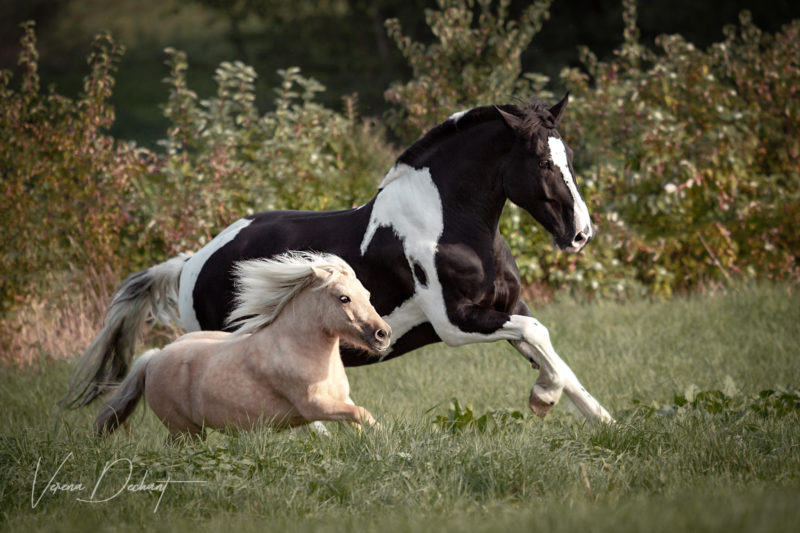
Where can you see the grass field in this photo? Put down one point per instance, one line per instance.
(681, 457)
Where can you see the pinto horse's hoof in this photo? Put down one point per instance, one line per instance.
(540, 407)
(543, 400)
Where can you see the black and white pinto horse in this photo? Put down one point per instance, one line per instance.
(427, 247)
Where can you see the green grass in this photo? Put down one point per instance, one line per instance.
(678, 459)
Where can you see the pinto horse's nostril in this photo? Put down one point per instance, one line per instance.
(381, 334)
(583, 237)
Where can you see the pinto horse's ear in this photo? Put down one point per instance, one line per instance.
(513, 121)
(558, 109)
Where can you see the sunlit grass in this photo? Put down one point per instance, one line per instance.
(657, 469)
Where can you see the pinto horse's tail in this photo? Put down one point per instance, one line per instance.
(119, 407)
(150, 293)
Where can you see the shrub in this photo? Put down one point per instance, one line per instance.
(77, 198)
(67, 183)
(694, 156)
(83, 209)
(472, 62)
(222, 159)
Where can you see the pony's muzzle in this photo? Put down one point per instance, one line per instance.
(381, 337)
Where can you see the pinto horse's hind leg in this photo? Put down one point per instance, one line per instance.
(555, 376)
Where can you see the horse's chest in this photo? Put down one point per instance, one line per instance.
(443, 275)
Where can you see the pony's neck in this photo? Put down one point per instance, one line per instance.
(298, 325)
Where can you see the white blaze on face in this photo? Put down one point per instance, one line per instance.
(558, 154)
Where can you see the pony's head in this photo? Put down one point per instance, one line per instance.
(538, 175)
(346, 308)
(337, 302)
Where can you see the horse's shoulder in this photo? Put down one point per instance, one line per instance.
(503, 257)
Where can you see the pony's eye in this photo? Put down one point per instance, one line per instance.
(344, 299)
(546, 163)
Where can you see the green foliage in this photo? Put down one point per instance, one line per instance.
(473, 62)
(460, 418)
(690, 157)
(76, 198)
(223, 159)
(779, 402)
(67, 183)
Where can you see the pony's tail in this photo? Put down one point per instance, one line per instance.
(149, 293)
(119, 407)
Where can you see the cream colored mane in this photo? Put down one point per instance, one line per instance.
(265, 286)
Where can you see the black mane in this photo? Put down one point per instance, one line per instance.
(534, 115)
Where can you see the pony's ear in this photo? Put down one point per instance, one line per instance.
(322, 273)
(558, 109)
(513, 121)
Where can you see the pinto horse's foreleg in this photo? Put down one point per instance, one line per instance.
(532, 340)
(555, 376)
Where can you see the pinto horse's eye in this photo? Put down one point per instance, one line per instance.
(344, 299)
(546, 163)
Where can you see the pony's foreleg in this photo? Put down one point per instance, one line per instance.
(375, 424)
(327, 408)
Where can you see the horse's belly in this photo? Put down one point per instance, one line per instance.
(230, 397)
(237, 415)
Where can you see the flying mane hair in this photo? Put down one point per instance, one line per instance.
(265, 286)
(534, 115)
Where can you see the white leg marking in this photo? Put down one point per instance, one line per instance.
(555, 375)
(191, 270)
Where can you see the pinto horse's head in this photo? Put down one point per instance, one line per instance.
(539, 176)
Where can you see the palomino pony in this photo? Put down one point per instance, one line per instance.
(282, 365)
(427, 247)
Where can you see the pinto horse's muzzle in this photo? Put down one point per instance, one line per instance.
(576, 242)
